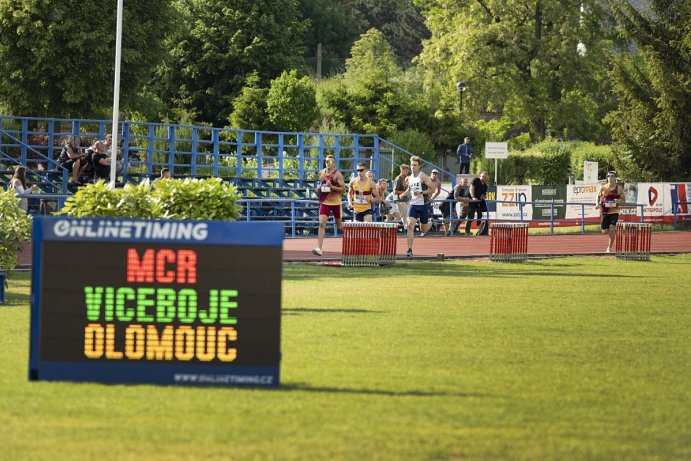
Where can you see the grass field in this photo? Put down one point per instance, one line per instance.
(572, 358)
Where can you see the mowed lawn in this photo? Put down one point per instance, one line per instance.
(572, 358)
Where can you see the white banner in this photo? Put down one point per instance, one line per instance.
(514, 194)
(582, 193)
(652, 197)
(589, 172)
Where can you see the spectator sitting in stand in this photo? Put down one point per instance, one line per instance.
(120, 164)
(100, 161)
(72, 159)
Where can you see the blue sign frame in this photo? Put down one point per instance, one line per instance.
(223, 249)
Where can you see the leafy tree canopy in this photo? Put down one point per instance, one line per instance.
(221, 42)
(292, 102)
(654, 113)
(541, 64)
(57, 57)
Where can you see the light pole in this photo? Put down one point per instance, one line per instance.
(461, 87)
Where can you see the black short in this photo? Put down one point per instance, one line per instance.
(609, 220)
(361, 215)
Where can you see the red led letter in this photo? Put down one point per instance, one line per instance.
(140, 271)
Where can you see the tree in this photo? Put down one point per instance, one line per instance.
(374, 95)
(224, 41)
(249, 108)
(57, 57)
(654, 87)
(540, 64)
(292, 102)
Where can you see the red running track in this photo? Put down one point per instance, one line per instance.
(300, 249)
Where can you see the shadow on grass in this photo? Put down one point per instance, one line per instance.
(304, 387)
(311, 310)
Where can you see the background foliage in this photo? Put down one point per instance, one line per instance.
(15, 227)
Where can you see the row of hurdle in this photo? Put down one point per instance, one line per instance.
(374, 244)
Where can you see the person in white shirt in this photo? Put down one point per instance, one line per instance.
(18, 183)
(420, 187)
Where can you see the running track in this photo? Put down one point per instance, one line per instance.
(300, 249)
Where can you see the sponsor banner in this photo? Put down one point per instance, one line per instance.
(676, 194)
(491, 206)
(652, 197)
(549, 194)
(630, 207)
(508, 207)
(582, 193)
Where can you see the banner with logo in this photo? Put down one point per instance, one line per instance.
(679, 194)
(652, 197)
(491, 206)
(508, 207)
(549, 195)
(585, 194)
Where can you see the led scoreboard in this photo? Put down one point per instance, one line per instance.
(162, 302)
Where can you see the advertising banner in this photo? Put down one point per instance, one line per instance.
(582, 193)
(508, 207)
(678, 195)
(652, 197)
(491, 205)
(550, 195)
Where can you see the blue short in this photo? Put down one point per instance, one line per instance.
(420, 212)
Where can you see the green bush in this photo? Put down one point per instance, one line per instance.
(545, 163)
(166, 199)
(15, 226)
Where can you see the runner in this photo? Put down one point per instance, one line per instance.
(608, 200)
(419, 188)
(331, 188)
(362, 192)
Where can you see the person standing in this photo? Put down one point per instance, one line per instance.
(462, 196)
(465, 154)
(434, 177)
(362, 193)
(18, 184)
(477, 204)
(609, 197)
(420, 188)
(400, 185)
(331, 188)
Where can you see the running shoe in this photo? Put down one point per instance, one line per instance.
(608, 250)
(409, 253)
(317, 252)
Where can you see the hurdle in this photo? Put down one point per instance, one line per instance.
(508, 242)
(633, 241)
(369, 243)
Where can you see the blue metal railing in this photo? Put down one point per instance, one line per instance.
(301, 215)
(675, 210)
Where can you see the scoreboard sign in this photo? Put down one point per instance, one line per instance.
(161, 302)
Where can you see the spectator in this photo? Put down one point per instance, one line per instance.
(18, 183)
(608, 199)
(101, 161)
(434, 177)
(477, 203)
(465, 154)
(361, 192)
(331, 188)
(120, 164)
(400, 186)
(72, 159)
(462, 196)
